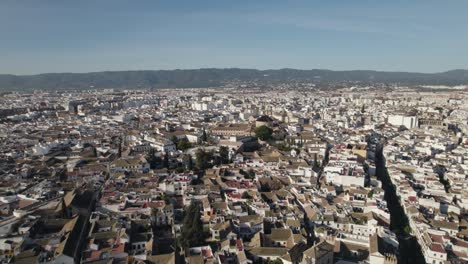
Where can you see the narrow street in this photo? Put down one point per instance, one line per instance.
(410, 250)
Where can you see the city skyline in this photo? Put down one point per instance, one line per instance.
(233, 132)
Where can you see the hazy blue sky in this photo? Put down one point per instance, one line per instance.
(80, 36)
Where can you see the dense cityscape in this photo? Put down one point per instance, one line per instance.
(233, 132)
(245, 173)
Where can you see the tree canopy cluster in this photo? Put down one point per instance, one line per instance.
(263, 132)
(192, 234)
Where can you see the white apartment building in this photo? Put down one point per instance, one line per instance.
(403, 120)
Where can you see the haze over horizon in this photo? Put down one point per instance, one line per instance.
(417, 36)
(225, 68)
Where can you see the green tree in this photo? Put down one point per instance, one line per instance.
(175, 140)
(243, 173)
(192, 234)
(183, 144)
(204, 136)
(224, 153)
(276, 261)
(310, 236)
(200, 161)
(203, 158)
(188, 162)
(263, 132)
(251, 173)
(283, 147)
(407, 229)
(151, 159)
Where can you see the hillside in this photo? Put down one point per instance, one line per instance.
(214, 77)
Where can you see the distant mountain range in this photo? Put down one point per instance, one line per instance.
(215, 77)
